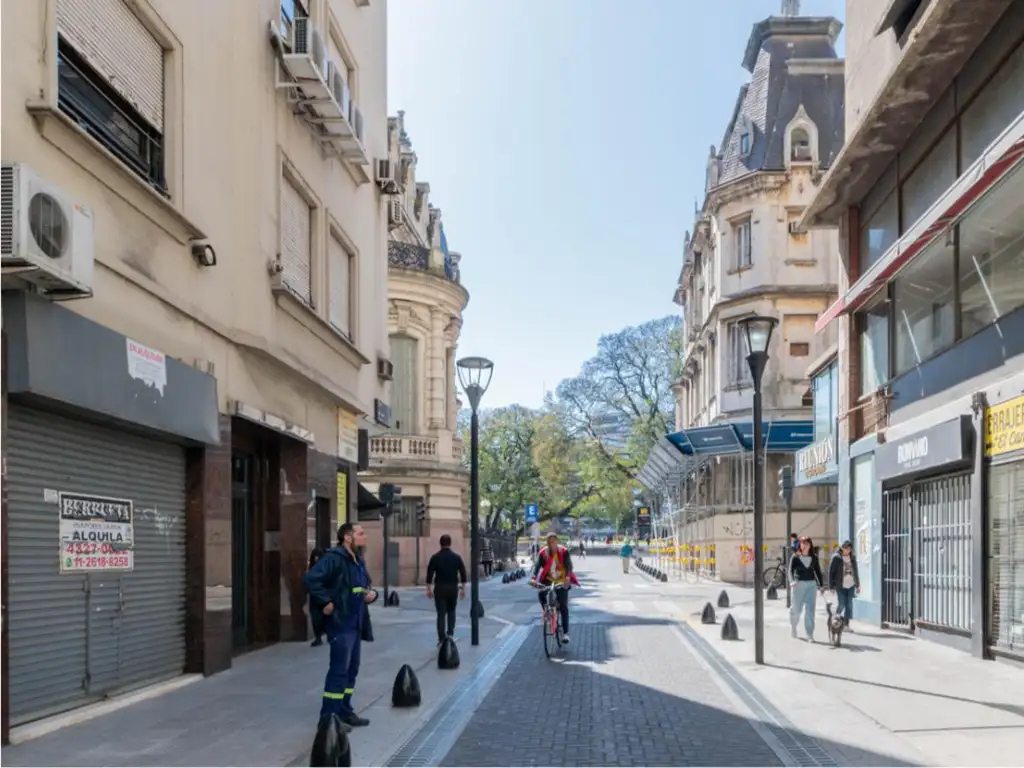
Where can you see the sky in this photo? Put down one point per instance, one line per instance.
(565, 142)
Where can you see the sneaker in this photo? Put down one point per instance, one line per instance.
(792, 633)
(355, 721)
(315, 643)
(565, 639)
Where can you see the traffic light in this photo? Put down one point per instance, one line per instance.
(391, 496)
(421, 511)
(786, 484)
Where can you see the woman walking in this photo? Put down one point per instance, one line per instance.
(315, 619)
(844, 578)
(805, 576)
(487, 557)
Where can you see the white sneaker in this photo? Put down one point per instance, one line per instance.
(565, 639)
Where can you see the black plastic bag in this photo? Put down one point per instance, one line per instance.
(406, 691)
(330, 745)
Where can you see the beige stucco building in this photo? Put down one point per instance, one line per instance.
(426, 299)
(748, 256)
(197, 182)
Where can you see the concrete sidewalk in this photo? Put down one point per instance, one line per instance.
(883, 692)
(264, 710)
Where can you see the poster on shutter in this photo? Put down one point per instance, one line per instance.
(97, 533)
(147, 365)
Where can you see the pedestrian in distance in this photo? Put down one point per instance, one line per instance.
(446, 584)
(583, 549)
(794, 542)
(844, 579)
(625, 553)
(339, 589)
(487, 557)
(316, 618)
(805, 576)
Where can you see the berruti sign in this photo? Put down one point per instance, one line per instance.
(936, 448)
(1004, 427)
(817, 463)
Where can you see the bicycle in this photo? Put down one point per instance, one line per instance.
(775, 576)
(551, 626)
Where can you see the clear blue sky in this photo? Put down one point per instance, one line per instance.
(565, 142)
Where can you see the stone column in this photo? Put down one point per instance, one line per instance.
(453, 408)
(435, 367)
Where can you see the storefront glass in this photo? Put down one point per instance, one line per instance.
(1006, 557)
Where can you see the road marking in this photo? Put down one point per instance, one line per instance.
(642, 586)
(666, 607)
(612, 585)
(623, 605)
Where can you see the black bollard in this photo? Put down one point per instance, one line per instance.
(406, 690)
(773, 593)
(448, 655)
(392, 599)
(723, 599)
(330, 745)
(478, 610)
(729, 629)
(707, 616)
(664, 578)
(505, 578)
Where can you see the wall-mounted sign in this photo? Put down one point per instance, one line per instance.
(643, 516)
(381, 412)
(341, 499)
(97, 533)
(935, 448)
(1004, 427)
(532, 513)
(816, 464)
(348, 436)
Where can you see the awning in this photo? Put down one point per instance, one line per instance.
(782, 436)
(366, 501)
(999, 159)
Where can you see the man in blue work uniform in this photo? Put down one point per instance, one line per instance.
(339, 591)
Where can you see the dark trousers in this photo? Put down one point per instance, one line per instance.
(446, 600)
(562, 596)
(340, 685)
(488, 567)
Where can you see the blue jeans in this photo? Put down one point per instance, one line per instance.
(805, 598)
(339, 687)
(844, 597)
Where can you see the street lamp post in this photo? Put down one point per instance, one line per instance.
(474, 376)
(758, 332)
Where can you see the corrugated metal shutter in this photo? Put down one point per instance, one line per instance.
(74, 638)
(295, 240)
(340, 277)
(118, 46)
(1006, 557)
(403, 384)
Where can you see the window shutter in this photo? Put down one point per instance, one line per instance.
(403, 384)
(295, 240)
(117, 44)
(340, 279)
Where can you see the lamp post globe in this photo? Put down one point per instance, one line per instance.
(475, 377)
(758, 329)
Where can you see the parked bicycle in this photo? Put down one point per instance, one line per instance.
(775, 576)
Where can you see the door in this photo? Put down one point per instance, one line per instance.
(242, 497)
(77, 635)
(897, 517)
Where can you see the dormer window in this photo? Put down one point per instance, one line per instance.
(745, 143)
(800, 146)
(801, 139)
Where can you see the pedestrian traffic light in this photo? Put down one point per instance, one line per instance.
(786, 484)
(421, 511)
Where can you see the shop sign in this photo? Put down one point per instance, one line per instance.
(643, 517)
(97, 533)
(341, 499)
(930, 449)
(348, 437)
(817, 462)
(1004, 427)
(381, 413)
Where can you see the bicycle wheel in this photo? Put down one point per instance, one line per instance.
(773, 577)
(550, 641)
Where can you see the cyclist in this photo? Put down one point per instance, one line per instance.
(554, 569)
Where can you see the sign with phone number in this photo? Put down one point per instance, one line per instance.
(97, 533)
(76, 562)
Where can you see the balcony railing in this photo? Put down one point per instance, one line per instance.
(403, 447)
(417, 258)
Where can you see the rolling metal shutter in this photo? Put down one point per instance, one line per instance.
(118, 46)
(295, 240)
(75, 637)
(1006, 557)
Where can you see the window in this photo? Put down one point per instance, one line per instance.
(739, 371)
(799, 349)
(296, 242)
(924, 307)
(745, 144)
(879, 232)
(998, 105)
(405, 358)
(110, 80)
(929, 180)
(339, 280)
(741, 244)
(874, 347)
(825, 387)
(800, 146)
(991, 256)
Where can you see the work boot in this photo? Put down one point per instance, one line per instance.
(355, 721)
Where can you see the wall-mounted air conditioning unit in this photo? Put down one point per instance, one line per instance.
(396, 214)
(47, 238)
(337, 108)
(385, 177)
(385, 369)
(307, 60)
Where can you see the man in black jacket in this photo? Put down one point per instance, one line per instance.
(446, 583)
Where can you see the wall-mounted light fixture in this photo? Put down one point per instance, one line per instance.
(203, 253)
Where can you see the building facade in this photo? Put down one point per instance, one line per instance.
(194, 328)
(927, 198)
(747, 256)
(421, 452)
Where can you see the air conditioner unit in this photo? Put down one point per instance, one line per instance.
(794, 228)
(351, 147)
(386, 177)
(307, 61)
(385, 369)
(396, 214)
(47, 239)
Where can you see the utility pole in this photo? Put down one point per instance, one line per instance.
(786, 494)
(391, 495)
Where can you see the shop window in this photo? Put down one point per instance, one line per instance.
(992, 256)
(999, 103)
(874, 347)
(924, 306)
(1006, 557)
(929, 180)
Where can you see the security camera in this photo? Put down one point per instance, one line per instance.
(275, 267)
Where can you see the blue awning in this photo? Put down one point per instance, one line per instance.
(781, 436)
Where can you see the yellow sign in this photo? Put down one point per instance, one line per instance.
(341, 498)
(1004, 427)
(348, 437)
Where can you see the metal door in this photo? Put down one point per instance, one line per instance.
(241, 548)
(897, 555)
(75, 637)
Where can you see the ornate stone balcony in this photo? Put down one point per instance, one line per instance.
(415, 449)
